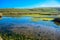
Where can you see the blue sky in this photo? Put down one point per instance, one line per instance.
(29, 3)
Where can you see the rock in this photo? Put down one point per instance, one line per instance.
(0, 15)
(57, 21)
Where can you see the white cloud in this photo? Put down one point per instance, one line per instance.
(51, 3)
(48, 3)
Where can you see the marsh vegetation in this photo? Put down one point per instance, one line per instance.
(29, 24)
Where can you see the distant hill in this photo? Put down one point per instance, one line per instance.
(30, 10)
(15, 11)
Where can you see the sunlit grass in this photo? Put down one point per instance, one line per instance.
(44, 19)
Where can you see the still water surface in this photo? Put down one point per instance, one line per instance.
(9, 21)
(44, 26)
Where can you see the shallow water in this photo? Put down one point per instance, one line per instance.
(44, 26)
(5, 21)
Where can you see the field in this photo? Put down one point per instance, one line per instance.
(27, 32)
(39, 13)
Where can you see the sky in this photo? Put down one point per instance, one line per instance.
(29, 3)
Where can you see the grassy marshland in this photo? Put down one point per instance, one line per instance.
(28, 33)
(36, 13)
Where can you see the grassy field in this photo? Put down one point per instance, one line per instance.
(22, 33)
(36, 13)
(35, 17)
